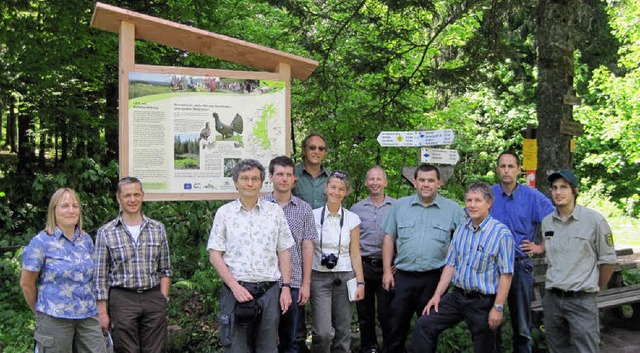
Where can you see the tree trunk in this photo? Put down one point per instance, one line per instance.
(556, 33)
(11, 126)
(26, 145)
(111, 118)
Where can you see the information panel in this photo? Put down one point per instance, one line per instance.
(186, 133)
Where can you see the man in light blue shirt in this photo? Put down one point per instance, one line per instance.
(480, 265)
(522, 209)
(419, 227)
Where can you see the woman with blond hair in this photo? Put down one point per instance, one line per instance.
(336, 261)
(57, 281)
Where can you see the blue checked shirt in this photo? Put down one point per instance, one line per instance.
(481, 255)
(66, 272)
(299, 216)
(122, 262)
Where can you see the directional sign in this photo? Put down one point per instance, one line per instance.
(415, 138)
(435, 137)
(439, 156)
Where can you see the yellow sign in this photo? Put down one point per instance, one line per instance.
(530, 154)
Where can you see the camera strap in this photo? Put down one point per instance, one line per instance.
(322, 228)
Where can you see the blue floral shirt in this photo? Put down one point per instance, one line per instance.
(65, 284)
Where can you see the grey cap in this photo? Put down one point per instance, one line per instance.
(567, 175)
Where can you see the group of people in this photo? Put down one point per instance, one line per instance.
(114, 295)
(422, 254)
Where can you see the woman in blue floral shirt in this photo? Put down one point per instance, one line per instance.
(57, 281)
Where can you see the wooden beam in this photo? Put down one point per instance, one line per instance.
(153, 29)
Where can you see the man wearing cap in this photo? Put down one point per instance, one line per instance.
(580, 257)
(372, 211)
(521, 208)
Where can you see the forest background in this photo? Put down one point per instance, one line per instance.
(468, 65)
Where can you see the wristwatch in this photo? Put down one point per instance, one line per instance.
(360, 283)
(499, 307)
(288, 285)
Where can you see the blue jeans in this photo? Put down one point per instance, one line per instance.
(519, 300)
(288, 330)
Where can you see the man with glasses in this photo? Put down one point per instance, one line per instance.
(302, 225)
(133, 274)
(420, 228)
(311, 175)
(249, 248)
(311, 178)
(372, 211)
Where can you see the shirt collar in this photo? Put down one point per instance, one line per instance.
(575, 214)
(239, 206)
(368, 201)
(58, 234)
(120, 221)
(436, 202)
(469, 225)
(269, 198)
(328, 214)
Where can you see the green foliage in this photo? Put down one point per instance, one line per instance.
(16, 319)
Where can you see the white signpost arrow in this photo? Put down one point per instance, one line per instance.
(415, 138)
(439, 156)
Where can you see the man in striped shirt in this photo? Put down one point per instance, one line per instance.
(480, 264)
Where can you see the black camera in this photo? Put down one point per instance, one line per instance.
(329, 261)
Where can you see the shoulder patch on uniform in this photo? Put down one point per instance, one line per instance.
(610, 239)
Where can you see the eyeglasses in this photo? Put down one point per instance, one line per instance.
(246, 179)
(320, 148)
(340, 174)
(66, 206)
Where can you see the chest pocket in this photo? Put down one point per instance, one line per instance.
(482, 259)
(442, 232)
(406, 229)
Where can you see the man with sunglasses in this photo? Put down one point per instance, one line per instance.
(420, 228)
(311, 178)
(311, 175)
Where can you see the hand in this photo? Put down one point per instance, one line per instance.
(285, 299)
(495, 319)
(104, 322)
(388, 281)
(303, 294)
(433, 303)
(359, 292)
(241, 294)
(528, 247)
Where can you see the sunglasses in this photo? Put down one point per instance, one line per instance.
(340, 174)
(320, 148)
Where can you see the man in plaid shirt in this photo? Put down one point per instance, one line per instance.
(133, 275)
(302, 225)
